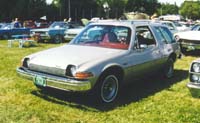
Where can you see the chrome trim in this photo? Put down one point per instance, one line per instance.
(57, 82)
(194, 89)
(186, 45)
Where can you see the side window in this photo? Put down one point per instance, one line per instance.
(165, 35)
(144, 37)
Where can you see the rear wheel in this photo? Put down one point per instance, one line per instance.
(169, 68)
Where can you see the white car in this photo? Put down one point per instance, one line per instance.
(71, 33)
(189, 40)
(103, 57)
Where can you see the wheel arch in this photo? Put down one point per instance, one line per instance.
(114, 68)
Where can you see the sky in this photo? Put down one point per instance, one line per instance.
(178, 2)
(49, 1)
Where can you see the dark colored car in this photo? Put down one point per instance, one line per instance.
(55, 32)
(9, 29)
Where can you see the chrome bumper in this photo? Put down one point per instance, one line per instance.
(42, 36)
(194, 89)
(190, 46)
(52, 81)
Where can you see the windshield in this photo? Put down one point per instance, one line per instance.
(7, 26)
(117, 37)
(59, 25)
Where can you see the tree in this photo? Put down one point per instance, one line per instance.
(145, 6)
(168, 9)
(190, 9)
(22, 9)
(115, 7)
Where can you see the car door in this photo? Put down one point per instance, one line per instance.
(145, 56)
(167, 41)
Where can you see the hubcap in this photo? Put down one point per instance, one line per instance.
(58, 39)
(109, 88)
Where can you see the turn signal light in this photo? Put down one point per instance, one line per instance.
(83, 75)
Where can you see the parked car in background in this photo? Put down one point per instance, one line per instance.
(103, 57)
(9, 29)
(194, 77)
(55, 32)
(2, 24)
(170, 25)
(189, 40)
(71, 33)
(42, 24)
(181, 27)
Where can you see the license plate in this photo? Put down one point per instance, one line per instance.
(38, 80)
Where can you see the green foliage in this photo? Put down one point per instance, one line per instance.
(190, 9)
(151, 100)
(145, 6)
(23, 9)
(116, 7)
(168, 9)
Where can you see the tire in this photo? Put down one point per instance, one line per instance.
(107, 88)
(169, 68)
(58, 39)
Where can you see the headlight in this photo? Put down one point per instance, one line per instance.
(194, 78)
(25, 62)
(177, 38)
(196, 67)
(73, 70)
(70, 70)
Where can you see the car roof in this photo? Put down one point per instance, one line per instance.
(125, 22)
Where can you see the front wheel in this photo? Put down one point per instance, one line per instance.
(107, 88)
(169, 68)
(5, 36)
(58, 39)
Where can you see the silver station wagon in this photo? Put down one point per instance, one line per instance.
(104, 56)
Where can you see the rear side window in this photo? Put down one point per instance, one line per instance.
(164, 35)
(144, 36)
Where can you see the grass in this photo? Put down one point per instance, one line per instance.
(151, 100)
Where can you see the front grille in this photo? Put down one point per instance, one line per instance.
(46, 69)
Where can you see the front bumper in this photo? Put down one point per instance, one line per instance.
(57, 82)
(190, 46)
(194, 89)
(42, 36)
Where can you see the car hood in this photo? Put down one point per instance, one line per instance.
(189, 35)
(63, 56)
